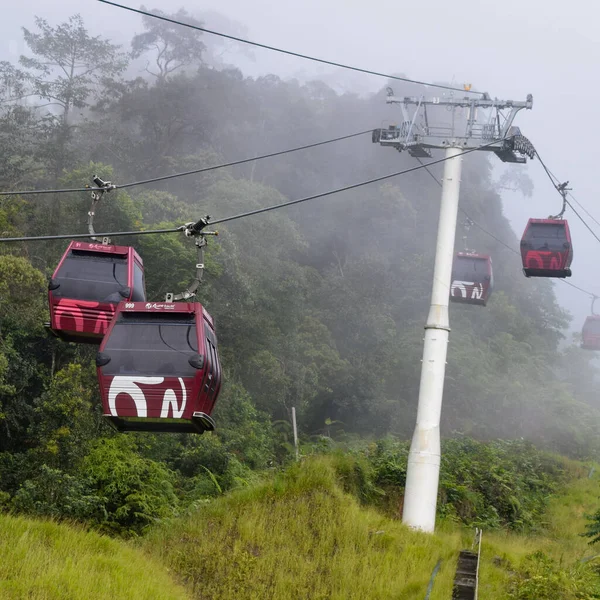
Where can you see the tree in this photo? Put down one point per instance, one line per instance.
(173, 46)
(68, 63)
(66, 69)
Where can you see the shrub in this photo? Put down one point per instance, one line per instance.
(135, 491)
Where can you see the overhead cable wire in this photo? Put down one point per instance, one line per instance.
(288, 52)
(590, 294)
(469, 217)
(244, 160)
(590, 215)
(344, 189)
(60, 191)
(197, 227)
(81, 236)
(585, 210)
(194, 171)
(556, 186)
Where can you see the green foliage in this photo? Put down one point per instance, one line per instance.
(65, 422)
(541, 578)
(593, 528)
(53, 493)
(490, 485)
(135, 491)
(19, 280)
(319, 307)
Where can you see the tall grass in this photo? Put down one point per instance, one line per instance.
(307, 533)
(301, 537)
(505, 553)
(42, 560)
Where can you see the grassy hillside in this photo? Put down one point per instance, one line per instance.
(41, 560)
(559, 556)
(300, 536)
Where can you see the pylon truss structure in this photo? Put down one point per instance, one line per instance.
(474, 122)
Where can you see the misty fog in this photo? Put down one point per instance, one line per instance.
(547, 48)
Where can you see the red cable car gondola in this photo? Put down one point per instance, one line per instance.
(472, 278)
(546, 249)
(590, 334)
(89, 282)
(158, 368)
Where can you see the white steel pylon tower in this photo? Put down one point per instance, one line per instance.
(477, 124)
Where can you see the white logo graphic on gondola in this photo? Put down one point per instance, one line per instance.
(159, 306)
(122, 384)
(461, 288)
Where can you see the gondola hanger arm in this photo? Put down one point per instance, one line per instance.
(97, 193)
(563, 190)
(195, 230)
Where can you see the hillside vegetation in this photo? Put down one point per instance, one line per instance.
(311, 531)
(302, 536)
(319, 307)
(42, 560)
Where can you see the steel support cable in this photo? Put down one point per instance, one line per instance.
(288, 52)
(193, 171)
(471, 218)
(349, 187)
(81, 236)
(578, 288)
(564, 197)
(30, 192)
(244, 160)
(590, 294)
(585, 210)
(196, 228)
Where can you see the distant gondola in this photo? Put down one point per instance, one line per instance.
(590, 334)
(472, 278)
(546, 249)
(158, 368)
(89, 282)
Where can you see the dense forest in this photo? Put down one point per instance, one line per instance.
(319, 307)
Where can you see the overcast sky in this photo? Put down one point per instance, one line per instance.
(549, 48)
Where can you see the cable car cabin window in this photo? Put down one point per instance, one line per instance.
(546, 236)
(152, 344)
(92, 276)
(139, 287)
(470, 269)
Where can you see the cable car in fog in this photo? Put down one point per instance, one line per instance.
(88, 284)
(590, 334)
(472, 278)
(546, 249)
(158, 368)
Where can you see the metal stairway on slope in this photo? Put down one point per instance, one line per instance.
(467, 572)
